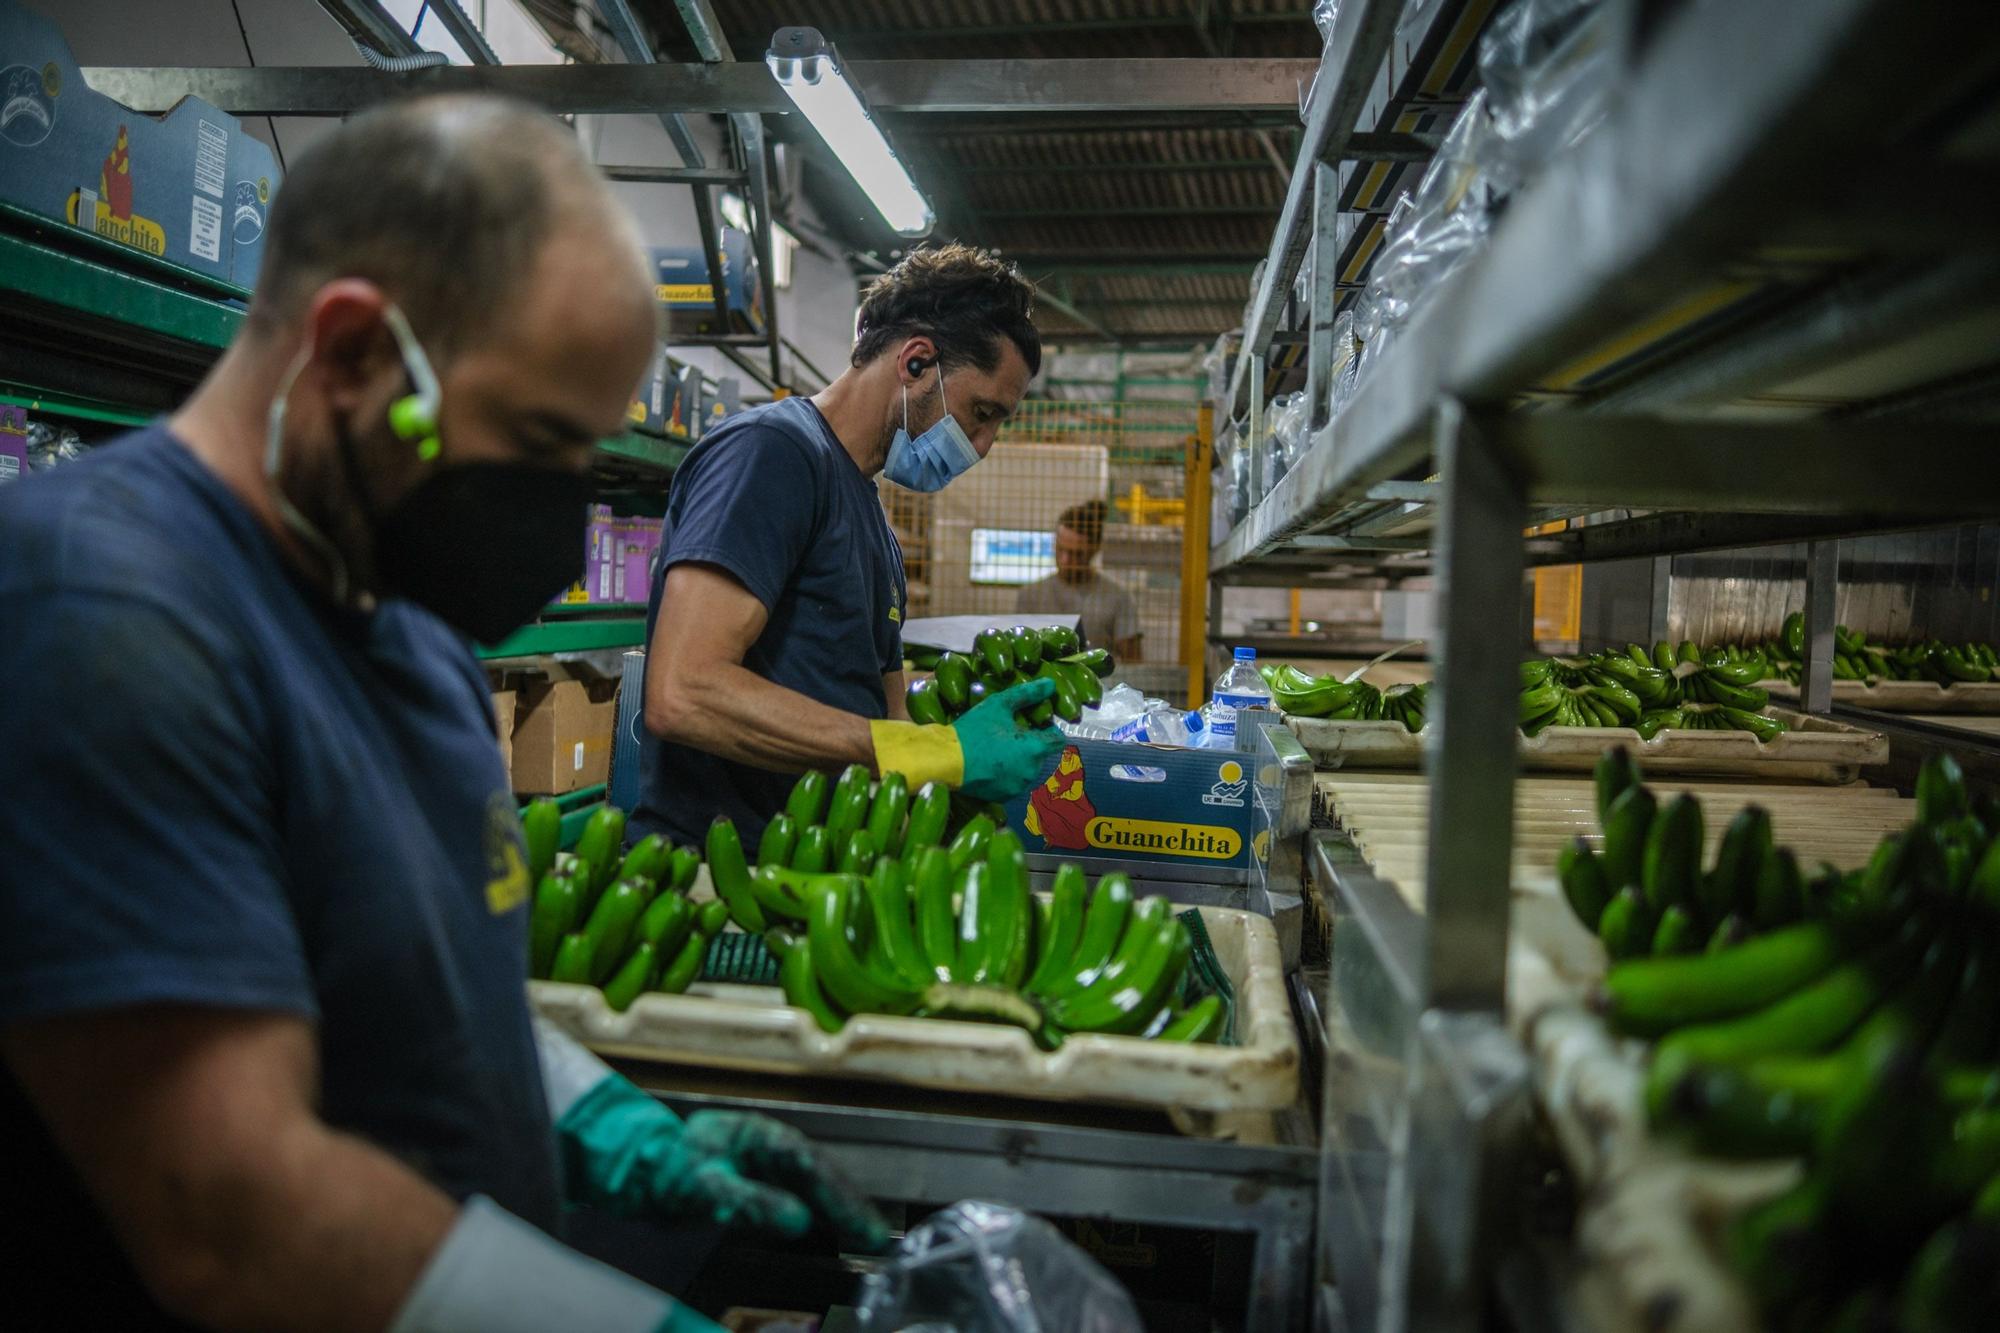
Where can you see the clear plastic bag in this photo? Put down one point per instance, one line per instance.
(1548, 67)
(1324, 14)
(1345, 364)
(1234, 478)
(1288, 429)
(985, 1268)
(1450, 216)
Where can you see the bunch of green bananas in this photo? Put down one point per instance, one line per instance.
(1577, 692)
(1345, 699)
(1000, 658)
(1856, 658)
(1646, 892)
(1864, 1039)
(617, 919)
(954, 932)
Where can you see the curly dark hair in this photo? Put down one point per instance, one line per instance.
(1086, 520)
(962, 298)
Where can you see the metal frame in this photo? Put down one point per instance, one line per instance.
(1746, 138)
(1128, 1175)
(1186, 86)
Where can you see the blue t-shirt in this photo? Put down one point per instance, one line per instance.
(771, 497)
(223, 791)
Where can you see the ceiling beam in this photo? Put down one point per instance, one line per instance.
(1088, 210)
(930, 86)
(855, 37)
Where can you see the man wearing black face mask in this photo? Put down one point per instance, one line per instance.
(266, 1060)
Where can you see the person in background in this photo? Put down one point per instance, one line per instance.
(266, 1055)
(1104, 609)
(775, 620)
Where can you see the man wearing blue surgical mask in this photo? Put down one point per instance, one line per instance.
(775, 622)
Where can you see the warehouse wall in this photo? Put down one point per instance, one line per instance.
(1939, 584)
(817, 313)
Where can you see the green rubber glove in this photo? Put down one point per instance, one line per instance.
(1003, 758)
(624, 1151)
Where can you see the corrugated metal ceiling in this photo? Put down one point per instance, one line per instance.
(1150, 225)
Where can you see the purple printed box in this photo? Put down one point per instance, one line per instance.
(13, 443)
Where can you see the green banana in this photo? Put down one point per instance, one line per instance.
(888, 895)
(853, 985)
(1104, 924)
(633, 976)
(1009, 911)
(729, 874)
(666, 922)
(973, 962)
(1058, 949)
(1616, 771)
(929, 810)
(1626, 826)
(954, 675)
(970, 844)
(887, 812)
(1649, 997)
(1126, 1003)
(648, 860)
(1677, 933)
(814, 850)
(807, 803)
(857, 857)
(1626, 926)
(541, 833)
(1582, 880)
(1200, 1022)
(558, 904)
(848, 809)
(937, 916)
(611, 924)
(573, 959)
(600, 843)
(781, 837)
(801, 984)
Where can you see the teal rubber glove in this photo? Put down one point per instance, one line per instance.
(1003, 758)
(624, 1151)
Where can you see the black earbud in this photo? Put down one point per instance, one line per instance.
(916, 365)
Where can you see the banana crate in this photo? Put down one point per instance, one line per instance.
(739, 1027)
(1812, 749)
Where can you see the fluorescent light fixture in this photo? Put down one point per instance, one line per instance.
(805, 66)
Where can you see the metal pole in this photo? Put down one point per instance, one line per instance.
(1470, 741)
(1319, 312)
(1822, 582)
(1194, 550)
(1660, 614)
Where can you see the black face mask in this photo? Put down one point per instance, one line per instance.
(483, 546)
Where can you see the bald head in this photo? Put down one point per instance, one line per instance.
(445, 203)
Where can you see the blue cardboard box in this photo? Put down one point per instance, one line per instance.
(190, 188)
(682, 287)
(1156, 806)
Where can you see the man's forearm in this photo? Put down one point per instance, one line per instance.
(731, 711)
(331, 1233)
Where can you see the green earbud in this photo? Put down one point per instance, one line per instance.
(411, 418)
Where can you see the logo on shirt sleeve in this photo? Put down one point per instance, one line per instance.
(506, 858)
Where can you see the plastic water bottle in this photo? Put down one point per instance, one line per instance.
(1238, 688)
(1194, 730)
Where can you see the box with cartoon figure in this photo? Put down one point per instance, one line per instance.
(189, 188)
(1222, 828)
(1172, 809)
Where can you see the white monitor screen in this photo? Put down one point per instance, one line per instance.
(1012, 555)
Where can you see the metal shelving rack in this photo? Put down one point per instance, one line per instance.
(1731, 134)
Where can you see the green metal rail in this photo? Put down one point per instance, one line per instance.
(41, 272)
(566, 635)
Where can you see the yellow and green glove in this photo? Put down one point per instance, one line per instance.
(986, 753)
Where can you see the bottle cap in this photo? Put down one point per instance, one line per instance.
(1246, 654)
(1193, 721)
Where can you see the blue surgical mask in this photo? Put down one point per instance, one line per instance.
(929, 461)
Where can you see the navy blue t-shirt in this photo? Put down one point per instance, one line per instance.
(221, 790)
(771, 497)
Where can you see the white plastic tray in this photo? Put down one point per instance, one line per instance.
(1905, 696)
(1814, 750)
(750, 1027)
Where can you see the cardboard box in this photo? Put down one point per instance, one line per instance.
(1108, 801)
(682, 287)
(503, 724)
(190, 188)
(562, 735)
